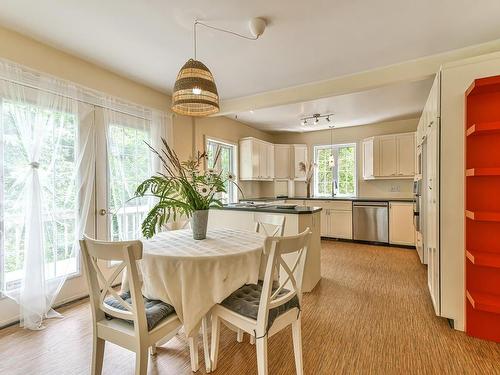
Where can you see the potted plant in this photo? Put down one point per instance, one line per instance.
(183, 189)
(308, 170)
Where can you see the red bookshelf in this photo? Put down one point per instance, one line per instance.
(482, 201)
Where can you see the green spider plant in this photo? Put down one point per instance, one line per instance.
(183, 188)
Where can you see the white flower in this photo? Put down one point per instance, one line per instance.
(210, 171)
(204, 189)
(231, 176)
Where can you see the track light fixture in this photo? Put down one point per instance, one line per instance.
(316, 118)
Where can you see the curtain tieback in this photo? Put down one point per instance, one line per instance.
(35, 164)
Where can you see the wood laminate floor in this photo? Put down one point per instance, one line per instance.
(370, 314)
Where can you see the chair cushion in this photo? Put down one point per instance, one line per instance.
(245, 301)
(155, 310)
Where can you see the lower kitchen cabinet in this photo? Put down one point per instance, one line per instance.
(340, 224)
(336, 219)
(401, 228)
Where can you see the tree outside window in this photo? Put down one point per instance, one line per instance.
(339, 179)
(226, 163)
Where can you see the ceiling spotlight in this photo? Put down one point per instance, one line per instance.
(316, 117)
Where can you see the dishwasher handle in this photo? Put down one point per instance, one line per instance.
(370, 204)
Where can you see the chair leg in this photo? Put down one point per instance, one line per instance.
(261, 344)
(193, 352)
(97, 355)
(215, 341)
(239, 335)
(152, 350)
(141, 361)
(206, 349)
(297, 346)
(252, 339)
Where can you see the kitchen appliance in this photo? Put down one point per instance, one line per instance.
(370, 221)
(418, 218)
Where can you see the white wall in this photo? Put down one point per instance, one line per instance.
(355, 134)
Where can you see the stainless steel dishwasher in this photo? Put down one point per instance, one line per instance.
(370, 221)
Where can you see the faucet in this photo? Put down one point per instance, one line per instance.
(334, 187)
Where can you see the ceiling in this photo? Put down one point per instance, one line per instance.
(305, 41)
(394, 102)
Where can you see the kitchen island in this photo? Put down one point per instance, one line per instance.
(296, 221)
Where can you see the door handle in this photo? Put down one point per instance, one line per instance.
(102, 212)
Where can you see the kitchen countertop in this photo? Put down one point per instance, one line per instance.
(299, 210)
(352, 199)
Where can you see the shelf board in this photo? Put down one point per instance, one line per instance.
(482, 258)
(482, 172)
(484, 301)
(484, 128)
(484, 86)
(482, 215)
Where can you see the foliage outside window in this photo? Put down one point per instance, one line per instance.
(340, 178)
(58, 181)
(129, 163)
(226, 163)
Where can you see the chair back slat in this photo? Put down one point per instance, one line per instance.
(112, 251)
(270, 225)
(101, 286)
(272, 297)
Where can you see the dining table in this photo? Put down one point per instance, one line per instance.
(195, 275)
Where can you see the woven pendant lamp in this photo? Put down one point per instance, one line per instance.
(195, 92)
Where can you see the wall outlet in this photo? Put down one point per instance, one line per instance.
(395, 188)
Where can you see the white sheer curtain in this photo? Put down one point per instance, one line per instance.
(130, 161)
(47, 179)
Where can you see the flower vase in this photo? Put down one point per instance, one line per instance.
(308, 189)
(199, 222)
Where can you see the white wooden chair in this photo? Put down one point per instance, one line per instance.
(271, 226)
(178, 224)
(277, 307)
(128, 326)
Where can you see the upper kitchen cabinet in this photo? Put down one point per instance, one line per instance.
(287, 159)
(389, 156)
(282, 161)
(256, 160)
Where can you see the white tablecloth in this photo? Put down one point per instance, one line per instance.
(193, 275)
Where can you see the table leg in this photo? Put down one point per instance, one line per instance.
(206, 348)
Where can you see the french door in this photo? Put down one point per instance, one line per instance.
(124, 160)
(116, 146)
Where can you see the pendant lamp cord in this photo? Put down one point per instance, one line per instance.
(196, 22)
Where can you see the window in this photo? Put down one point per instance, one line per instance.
(57, 173)
(226, 162)
(129, 163)
(339, 178)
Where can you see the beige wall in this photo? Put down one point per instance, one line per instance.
(33, 54)
(377, 188)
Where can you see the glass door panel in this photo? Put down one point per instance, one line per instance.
(125, 161)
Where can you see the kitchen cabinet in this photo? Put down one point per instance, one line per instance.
(401, 228)
(336, 219)
(256, 160)
(282, 162)
(406, 152)
(389, 156)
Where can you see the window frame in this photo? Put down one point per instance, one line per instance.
(233, 198)
(336, 147)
